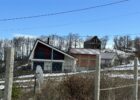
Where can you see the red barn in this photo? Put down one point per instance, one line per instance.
(50, 58)
(86, 58)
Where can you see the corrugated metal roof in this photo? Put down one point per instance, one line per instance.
(107, 55)
(84, 51)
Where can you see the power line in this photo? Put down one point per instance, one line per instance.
(64, 12)
(81, 22)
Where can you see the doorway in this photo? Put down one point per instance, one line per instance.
(57, 67)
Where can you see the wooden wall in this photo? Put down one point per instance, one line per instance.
(85, 60)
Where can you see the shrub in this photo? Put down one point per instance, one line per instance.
(76, 88)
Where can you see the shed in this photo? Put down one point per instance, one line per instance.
(108, 59)
(50, 58)
(86, 58)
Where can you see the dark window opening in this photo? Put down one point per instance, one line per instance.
(57, 55)
(42, 52)
(56, 67)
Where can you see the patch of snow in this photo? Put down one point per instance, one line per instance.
(1, 87)
(119, 52)
(23, 81)
(58, 74)
(124, 67)
(45, 75)
(26, 76)
(125, 76)
(1, 82)
(54, 74)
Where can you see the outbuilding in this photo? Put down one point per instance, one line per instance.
(109, 59)
(87, 59)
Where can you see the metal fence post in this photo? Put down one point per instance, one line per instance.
(9, 73)
(97, 77)
(136, 78)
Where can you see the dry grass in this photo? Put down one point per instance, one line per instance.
(81, 87)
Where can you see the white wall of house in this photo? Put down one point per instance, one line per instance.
(68, 64)
(47, 66)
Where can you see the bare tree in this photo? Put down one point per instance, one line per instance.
(104, 42)
(72, 40)
(137, 43)
(6, 43)
(122, 43)
(1, 49)
(21, 45)
(44, 38)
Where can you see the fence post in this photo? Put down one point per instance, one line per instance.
(136, 78)
(9, 73)
(111, 95)
(97, 77)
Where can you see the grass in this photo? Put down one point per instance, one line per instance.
(81, 87)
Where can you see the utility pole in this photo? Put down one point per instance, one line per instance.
(9, 73)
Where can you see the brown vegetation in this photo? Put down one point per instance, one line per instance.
(81, 87)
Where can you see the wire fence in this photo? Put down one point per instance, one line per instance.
(111, 88)
(116, 83)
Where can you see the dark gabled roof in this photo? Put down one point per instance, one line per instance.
(92, 38)
(50, 46)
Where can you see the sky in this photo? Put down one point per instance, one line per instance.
(118, 19)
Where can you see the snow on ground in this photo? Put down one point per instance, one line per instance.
(119, 52)
(26, 76)
(124, 67)
(54, 74)
(21, 79)
(1, 82)
(126, 76)
(1, 87)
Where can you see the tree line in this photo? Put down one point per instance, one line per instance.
(24, 45)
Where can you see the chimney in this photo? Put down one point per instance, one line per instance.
(48, 41)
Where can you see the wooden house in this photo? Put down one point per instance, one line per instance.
(50, 58)
(86, 58)
(93, 43)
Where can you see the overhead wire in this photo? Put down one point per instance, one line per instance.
(63, 12)
(81, 22)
